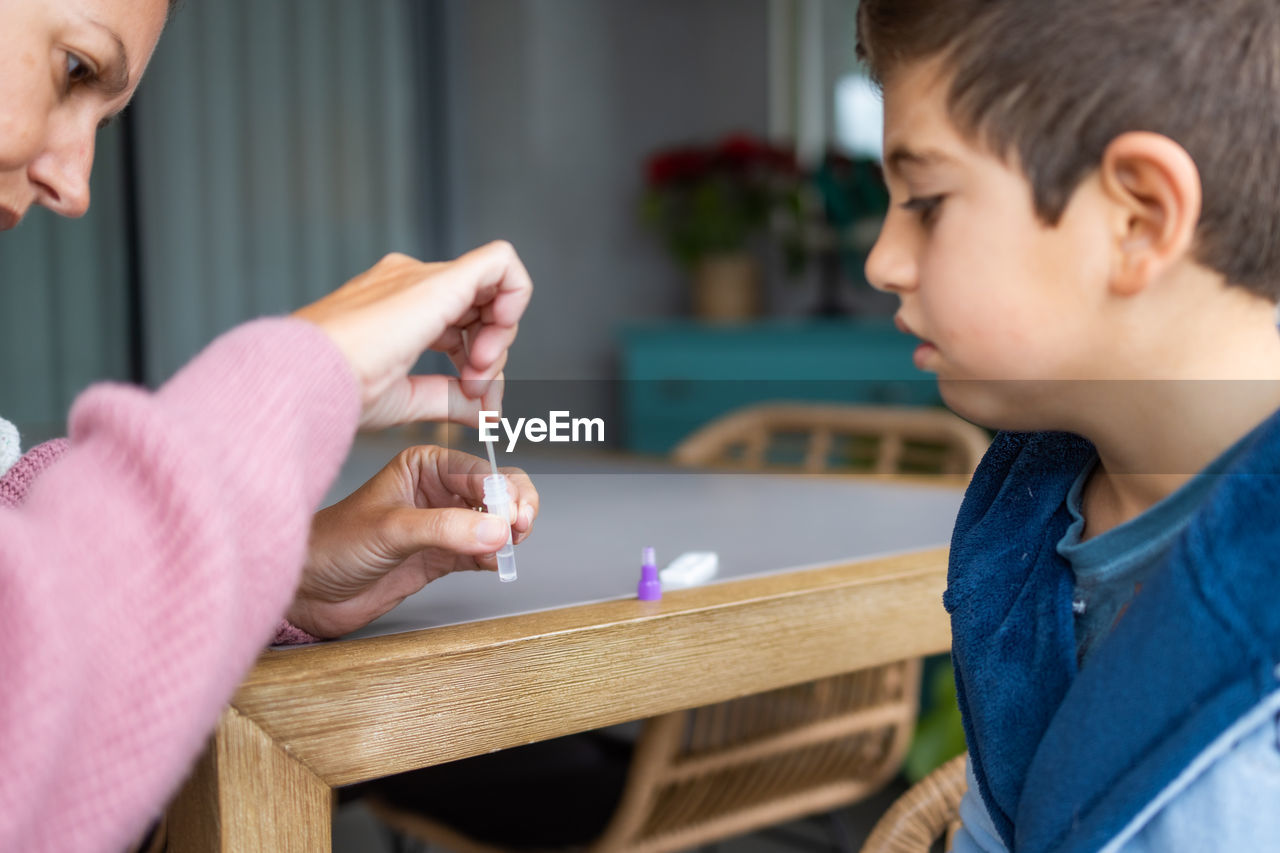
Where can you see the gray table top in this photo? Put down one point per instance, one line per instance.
(596, 516)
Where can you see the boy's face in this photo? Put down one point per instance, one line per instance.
(993, 292)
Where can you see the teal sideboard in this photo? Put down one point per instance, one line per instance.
(678, 375)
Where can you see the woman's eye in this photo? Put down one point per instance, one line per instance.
(926, 207)
(78, 71)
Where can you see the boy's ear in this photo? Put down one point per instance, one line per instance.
(1155, 188)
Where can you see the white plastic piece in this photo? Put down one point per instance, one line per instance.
(690, 569)
(498, 502)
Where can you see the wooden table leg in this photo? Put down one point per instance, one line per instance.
(247, 794)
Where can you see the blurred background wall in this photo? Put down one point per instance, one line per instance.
(558, 103)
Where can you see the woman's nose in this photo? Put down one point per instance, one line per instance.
(891, 266)
(60, 175)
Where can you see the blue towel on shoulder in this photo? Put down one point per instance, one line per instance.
(1064, 759)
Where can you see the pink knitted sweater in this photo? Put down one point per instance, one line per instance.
(143, 570)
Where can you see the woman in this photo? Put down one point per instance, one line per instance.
(145, 562)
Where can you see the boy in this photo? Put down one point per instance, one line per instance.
(1085, 232)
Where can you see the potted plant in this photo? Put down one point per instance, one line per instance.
(834, 222)
(707, 203)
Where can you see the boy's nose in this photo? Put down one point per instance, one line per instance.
(890, 267)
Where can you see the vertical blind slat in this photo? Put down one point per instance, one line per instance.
(288, 180)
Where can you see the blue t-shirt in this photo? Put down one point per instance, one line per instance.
(1111, 568)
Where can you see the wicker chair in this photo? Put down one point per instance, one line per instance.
(814, 438)
(879, 440)
(919, 819)
(714, 772)
(698, 776)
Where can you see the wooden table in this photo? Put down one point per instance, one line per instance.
(413, 690)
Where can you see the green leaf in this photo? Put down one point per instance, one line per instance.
(939, 734)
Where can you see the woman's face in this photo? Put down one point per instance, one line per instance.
(66, 67)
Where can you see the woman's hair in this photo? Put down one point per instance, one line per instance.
(1050, 83)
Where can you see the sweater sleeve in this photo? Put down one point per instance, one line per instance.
(146, 568)
(15, 483)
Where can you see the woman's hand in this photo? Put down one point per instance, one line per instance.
(384, 319)
(410, 524)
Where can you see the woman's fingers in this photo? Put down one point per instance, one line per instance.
(460, 531)
(525, 499)
(385, 318)
(443, 477)
(489, 348)
(432, 398)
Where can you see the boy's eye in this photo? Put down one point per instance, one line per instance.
(926, 207)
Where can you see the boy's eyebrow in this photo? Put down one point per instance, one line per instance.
(902, 155)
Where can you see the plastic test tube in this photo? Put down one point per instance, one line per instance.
(498, 502)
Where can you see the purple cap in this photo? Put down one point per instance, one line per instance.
(650, 587)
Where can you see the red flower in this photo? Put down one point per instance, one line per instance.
(783, 160)
(741, 150)
(735, 154)
(677, 164)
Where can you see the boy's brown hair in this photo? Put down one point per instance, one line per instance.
(1050, 83)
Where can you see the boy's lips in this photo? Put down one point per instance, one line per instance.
(8, 218)
(901, 325)
(923, 355)
(925, 352)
